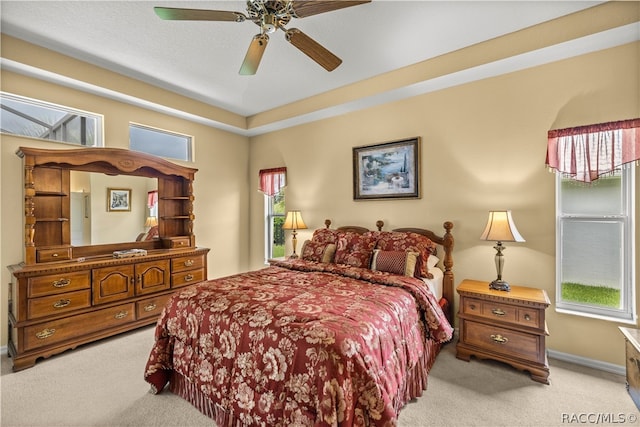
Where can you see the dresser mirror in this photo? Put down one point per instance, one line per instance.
(93, 224)
(66, 198)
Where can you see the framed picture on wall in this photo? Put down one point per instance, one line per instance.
(389, 170)
(118, 199)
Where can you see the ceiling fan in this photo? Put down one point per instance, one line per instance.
(270, 15)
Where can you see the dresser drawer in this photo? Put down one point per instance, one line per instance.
(184, 263)
(62, 253)
(176, 242)
(187, 278)
(151, 307)
(503, 341)
(56, 304)
(72, 327)
(55, 284)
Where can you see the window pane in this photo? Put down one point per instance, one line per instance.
(603, 197)
(39, 119)
(592, 262)
(160, 143)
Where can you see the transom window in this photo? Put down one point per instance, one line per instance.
(161, 143)
(39, 119)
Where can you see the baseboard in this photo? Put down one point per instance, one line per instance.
(590, 363)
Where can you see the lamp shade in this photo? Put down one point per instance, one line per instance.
(151, 221)
(501, 228)
(294, 221)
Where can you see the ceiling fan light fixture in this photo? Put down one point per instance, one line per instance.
(269, 23)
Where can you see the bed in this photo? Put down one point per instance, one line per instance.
(345, 335)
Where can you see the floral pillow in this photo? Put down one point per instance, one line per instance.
(397, 262)
(354, 249)
(407, 241)
(325, 235)
(318, 251)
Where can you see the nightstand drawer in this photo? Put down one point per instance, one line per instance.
(503, 341)
(489, 309)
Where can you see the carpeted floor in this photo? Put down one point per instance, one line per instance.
(102, 384)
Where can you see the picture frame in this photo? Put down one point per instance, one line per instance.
(389, 170)
(118, 199)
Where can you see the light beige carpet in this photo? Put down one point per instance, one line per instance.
(102, 384)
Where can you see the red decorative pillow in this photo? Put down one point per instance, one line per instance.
(325, 235)
(397, 262)
(354, 249)
(408, 241)
(318, 251)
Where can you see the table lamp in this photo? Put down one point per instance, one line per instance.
(500, 228)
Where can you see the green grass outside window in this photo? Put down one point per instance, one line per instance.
(595, 295)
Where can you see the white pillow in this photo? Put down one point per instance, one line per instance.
(432, 261)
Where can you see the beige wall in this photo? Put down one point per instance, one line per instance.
(220, 188)
(483, 148)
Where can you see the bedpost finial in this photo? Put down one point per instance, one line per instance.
(379, 224)
(327, 223)
(448, 225)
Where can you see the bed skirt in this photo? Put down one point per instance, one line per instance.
(414, 386)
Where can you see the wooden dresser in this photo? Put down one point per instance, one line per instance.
(56, 307)
(62, 294)
(506, 326)
(632, 355)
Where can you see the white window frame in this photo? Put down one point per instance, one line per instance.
(627, 314)
(162, 132)
(268, 225)
(60, 126)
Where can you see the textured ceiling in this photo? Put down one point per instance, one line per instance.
(201, 59)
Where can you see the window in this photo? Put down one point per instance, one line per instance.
(272, 183)
(160, 143)
(595, 199)
(39, 119)
(595, 247)
(275, 214)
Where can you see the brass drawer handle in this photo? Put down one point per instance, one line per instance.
(45, 333)
(527, 317)
(61, 283)
(150, 307)
(472, 306)
(121, 315)
(55, 255)
(189, 263)
(498, 312)
(188, 277)
(499, 339)
(62, 303)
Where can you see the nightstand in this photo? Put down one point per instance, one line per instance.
(506, 326)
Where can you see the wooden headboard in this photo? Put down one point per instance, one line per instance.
(445, 240)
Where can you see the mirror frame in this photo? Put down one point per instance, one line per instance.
(175, 194)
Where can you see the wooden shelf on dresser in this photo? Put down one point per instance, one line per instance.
(506, 326)
(57, 306)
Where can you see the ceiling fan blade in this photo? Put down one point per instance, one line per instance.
(171, 13)
(313, 49)
(254, 55)
(303, 8)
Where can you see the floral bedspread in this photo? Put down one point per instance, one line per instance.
(298, 343)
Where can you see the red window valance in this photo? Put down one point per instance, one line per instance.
(586, 153)
(152, 198)
(273, 180)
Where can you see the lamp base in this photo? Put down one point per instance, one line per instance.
(293, 256)
(500, 285)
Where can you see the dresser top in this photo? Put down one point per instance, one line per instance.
(633, 335)
(519, 293)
